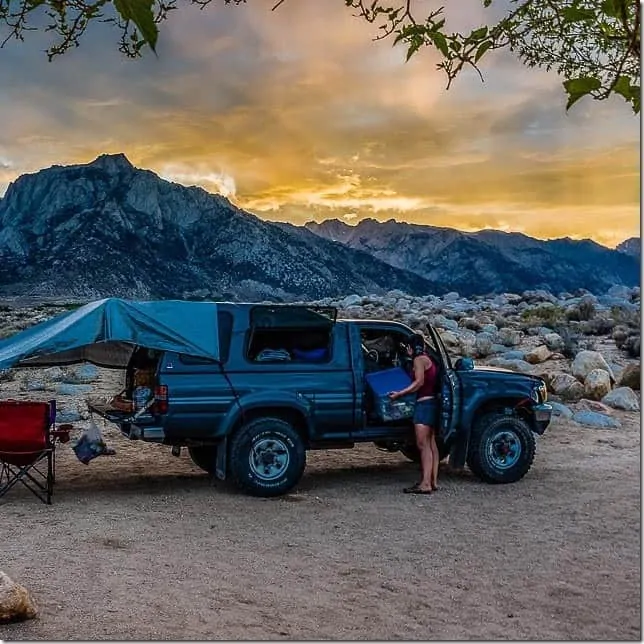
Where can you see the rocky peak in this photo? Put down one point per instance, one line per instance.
(630, 247)
(112, 163)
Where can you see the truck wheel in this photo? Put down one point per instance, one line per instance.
(204, 457)
(267, 457)
(412, 452)
(501, 449)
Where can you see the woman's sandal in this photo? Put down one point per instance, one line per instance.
(415, 489)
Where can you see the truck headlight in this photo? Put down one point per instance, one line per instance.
(540, 393)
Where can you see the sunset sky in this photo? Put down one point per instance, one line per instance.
(297, 115)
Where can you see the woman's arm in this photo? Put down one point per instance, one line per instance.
(419, 379)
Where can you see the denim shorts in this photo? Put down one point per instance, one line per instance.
(426, 412)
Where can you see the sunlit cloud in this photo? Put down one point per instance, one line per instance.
(218, 182)
(299, 115)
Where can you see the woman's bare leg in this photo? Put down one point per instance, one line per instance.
(426, 456)
(435, 458)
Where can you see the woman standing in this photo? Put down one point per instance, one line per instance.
(425, 414)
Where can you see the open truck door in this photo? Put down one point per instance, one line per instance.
(450, 404)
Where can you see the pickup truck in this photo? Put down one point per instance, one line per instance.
(291, 378)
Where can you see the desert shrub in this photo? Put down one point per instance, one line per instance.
(598, 326)
(626, 317)
(632, 346)
(545, 315)
(570, 342)
(587, 310)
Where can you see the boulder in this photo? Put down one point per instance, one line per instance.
(81, 374)
(618, 290)
(509, 337)
(597, 384)
(470, 323)
(516, 354)
(595, 405)
(441, 322)
(553, 341)
(560, 410)
(586, 361)
(34, 385)
(631, 377)
(16, 605)
(564, 385)
(68, 416)
(449, 339)
(538, 354)
(73, 390)
(513, 365)
(53, 374)
(593, 419)
(622, 398)
(483, 345)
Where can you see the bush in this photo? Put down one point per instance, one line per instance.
(544, 315)
(570, 342)
(626, 317)
(586, 310)
(598, 326)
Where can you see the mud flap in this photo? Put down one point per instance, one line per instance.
(222, 459)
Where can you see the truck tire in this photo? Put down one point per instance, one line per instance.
(413, 453)
(267, 457)
(204, 457)
(501, 448)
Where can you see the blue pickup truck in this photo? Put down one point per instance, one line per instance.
(292, 378)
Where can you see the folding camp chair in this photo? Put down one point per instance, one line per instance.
(28, 446)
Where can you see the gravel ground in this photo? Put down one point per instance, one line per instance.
(142, 545)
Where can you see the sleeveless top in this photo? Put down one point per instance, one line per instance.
(429, 386)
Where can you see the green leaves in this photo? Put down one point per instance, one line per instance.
(481, 50)
(440, 41)
(630, 92)
(577, 14)
(579, 87)
(140, 13)
(613, 8)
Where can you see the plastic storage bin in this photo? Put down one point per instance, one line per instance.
(381, 383)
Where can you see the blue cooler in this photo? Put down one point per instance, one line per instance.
(381, 383)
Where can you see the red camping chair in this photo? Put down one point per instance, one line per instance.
(27, 443)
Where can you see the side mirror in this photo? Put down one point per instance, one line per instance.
(464, 364)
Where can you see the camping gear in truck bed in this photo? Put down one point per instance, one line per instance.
(381, 384)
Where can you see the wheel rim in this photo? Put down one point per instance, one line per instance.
(504, 449)
(269, 458)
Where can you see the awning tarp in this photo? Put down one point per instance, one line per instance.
(105, 333)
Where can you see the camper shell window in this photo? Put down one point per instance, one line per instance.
(290, 334)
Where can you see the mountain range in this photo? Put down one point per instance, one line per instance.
(489, 260)
(108, 228)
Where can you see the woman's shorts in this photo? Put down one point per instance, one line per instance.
(426, 412)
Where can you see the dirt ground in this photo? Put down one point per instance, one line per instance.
(142, 545)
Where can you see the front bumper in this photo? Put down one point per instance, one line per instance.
(542, 417)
